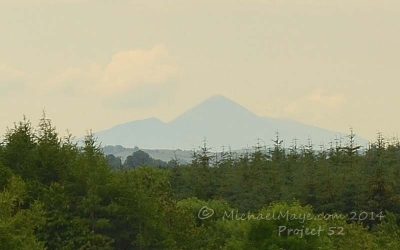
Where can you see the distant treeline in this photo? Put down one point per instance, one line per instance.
(58, 195)
(138, 158)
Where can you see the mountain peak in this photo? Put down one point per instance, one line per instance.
(216, 108)
(219, 100)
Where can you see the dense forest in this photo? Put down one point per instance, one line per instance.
(57, 194)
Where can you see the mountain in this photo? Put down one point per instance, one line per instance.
(221, 122)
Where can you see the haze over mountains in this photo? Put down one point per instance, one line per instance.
(221, 122)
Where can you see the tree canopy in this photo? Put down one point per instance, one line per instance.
(56, 194)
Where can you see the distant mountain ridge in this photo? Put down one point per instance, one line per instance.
(221, 122)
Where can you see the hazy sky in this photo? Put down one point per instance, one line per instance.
(92, 64)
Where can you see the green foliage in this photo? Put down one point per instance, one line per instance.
(58, 195)
(114, 162)
(5, 175)
(388, 233)
(140, 158)
(19, 150)
(18, 224)
(284, 232)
